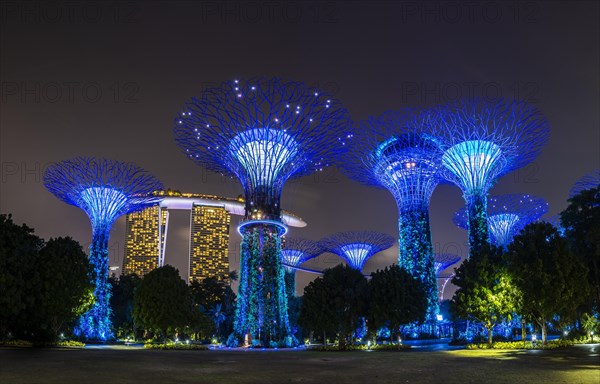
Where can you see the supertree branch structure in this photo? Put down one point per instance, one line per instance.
(401, 152)
(297, 250)
(104, 189)
(263, 132)
(356, 247)
(589, 181)
(507, 215)
(443, 261)
(484, 141)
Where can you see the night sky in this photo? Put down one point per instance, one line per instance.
(106, 79)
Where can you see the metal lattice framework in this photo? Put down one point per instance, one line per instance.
(589, 181)
(507, 215)
(444, 260)
(394, 152)
(104, 189)
(400, 151)
(485, 140)
(263, 131)
(356, 247)
(296, 251)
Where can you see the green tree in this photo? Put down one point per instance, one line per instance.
(162, 301)
(395, 299)
(486, 292)
(63, 290)
(121, 303)
(551, 278)
(581, 221)
(19, 248)
(335, 301)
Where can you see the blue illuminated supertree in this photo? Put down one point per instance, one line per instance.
(296, 251)
(507, 215)
(443, 261)
(104, 189)
(263, 132)
(356, 247)
(589, 181)
(484, 141)
(400, 151)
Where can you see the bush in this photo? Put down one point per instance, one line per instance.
(389, 347)
(70, 344)
(16, 343)
(552, 344)
(173, 346)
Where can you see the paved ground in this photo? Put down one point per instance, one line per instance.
(579, 364)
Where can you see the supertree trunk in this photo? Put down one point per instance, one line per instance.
(290, 283)
(95, 323)
(416, 254)
(261, 311)
(478, 224)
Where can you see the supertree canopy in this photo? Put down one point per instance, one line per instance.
(296, 251)
(507, 215)
(356, 247)
(104, 189)
(485, 140)
(401, 152)
(263, 132)
(589, 181)
(444, 260)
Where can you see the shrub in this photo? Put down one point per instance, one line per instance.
(172, 346)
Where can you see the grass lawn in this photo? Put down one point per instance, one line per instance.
(579, 364)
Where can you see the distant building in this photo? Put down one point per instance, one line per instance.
(209, 242)
(145, 240)
(210, 217)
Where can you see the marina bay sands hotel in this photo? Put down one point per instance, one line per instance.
(146, 233)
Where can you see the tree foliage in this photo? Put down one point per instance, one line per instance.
(581, 221)
(396, 298)
(162, 301)
(335, 302)
(64, 290)
(486, 292)
(43, 286)
(551, 278)
(121, 302)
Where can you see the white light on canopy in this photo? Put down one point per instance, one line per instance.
(264, 152)
(502, 227)
(472, 162)
(102, 203)
(357, 254)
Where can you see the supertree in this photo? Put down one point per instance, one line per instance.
(104, 189)
(400, 151)
(297, 250)
(443, 261)
(356, 247)
(484, 141)
(263, 132)
(589, 181)
(507, 215)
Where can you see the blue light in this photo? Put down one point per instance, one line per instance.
(357, 247)
(263, 142)
(589, 181)
(506, 216)
(474, 163)
(104, 190)
(356, 254)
